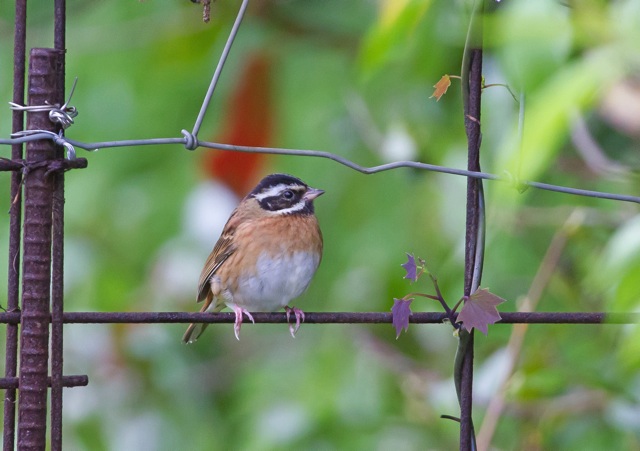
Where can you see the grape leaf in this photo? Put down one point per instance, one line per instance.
(441, 87)
(480, 310)
(401, 311)
(411, 268)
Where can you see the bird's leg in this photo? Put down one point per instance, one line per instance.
(238, 324)
(299, 314)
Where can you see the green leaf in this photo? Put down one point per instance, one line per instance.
(396, 26)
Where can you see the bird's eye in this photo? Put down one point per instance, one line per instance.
(288, 194)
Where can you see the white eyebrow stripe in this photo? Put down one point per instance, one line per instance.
(275, 190)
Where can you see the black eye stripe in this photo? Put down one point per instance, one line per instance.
(280, 201)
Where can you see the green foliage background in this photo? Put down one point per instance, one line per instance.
(354, 78)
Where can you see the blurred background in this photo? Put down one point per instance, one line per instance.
(354, 78)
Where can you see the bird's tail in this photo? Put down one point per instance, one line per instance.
(196, 329)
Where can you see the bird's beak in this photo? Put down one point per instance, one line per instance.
(312, 193)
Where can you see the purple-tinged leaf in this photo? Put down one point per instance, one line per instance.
(401, 311)
(480, 310)
(411, 268)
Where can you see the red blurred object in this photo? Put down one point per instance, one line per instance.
(249, 122)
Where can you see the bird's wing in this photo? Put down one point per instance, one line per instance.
(223, 250)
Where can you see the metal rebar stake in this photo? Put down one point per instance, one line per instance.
(15, 215)
(44, 87)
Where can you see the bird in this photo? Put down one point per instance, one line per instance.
(267, 254)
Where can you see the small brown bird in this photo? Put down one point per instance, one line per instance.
(267, 254)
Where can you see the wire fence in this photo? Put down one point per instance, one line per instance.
(34, 324)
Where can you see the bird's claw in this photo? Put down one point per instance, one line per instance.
(299, 314)
(238, 323)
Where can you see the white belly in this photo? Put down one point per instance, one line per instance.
(276, 283)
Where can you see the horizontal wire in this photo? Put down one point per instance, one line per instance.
(331, 317)
(518, 184)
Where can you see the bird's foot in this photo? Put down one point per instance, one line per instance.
(299, 314)
(238, 324)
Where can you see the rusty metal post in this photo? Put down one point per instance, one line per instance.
(15, 215)
(44, 87)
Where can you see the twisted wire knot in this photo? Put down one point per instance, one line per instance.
(190, 140)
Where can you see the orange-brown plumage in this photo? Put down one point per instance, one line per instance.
(267, 253)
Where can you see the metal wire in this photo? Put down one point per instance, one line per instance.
(62, 115)
(218, 71)
(518, 184)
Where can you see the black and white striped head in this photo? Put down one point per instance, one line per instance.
(283, 194)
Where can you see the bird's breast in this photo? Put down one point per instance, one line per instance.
(274, 262)
(276, 281)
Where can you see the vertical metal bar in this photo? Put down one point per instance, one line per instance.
(57, 272)
(44, 69)
(474, 137)
(57, 310)
(466, 391)
(60, 24)
(15, 215)
(472, 127)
